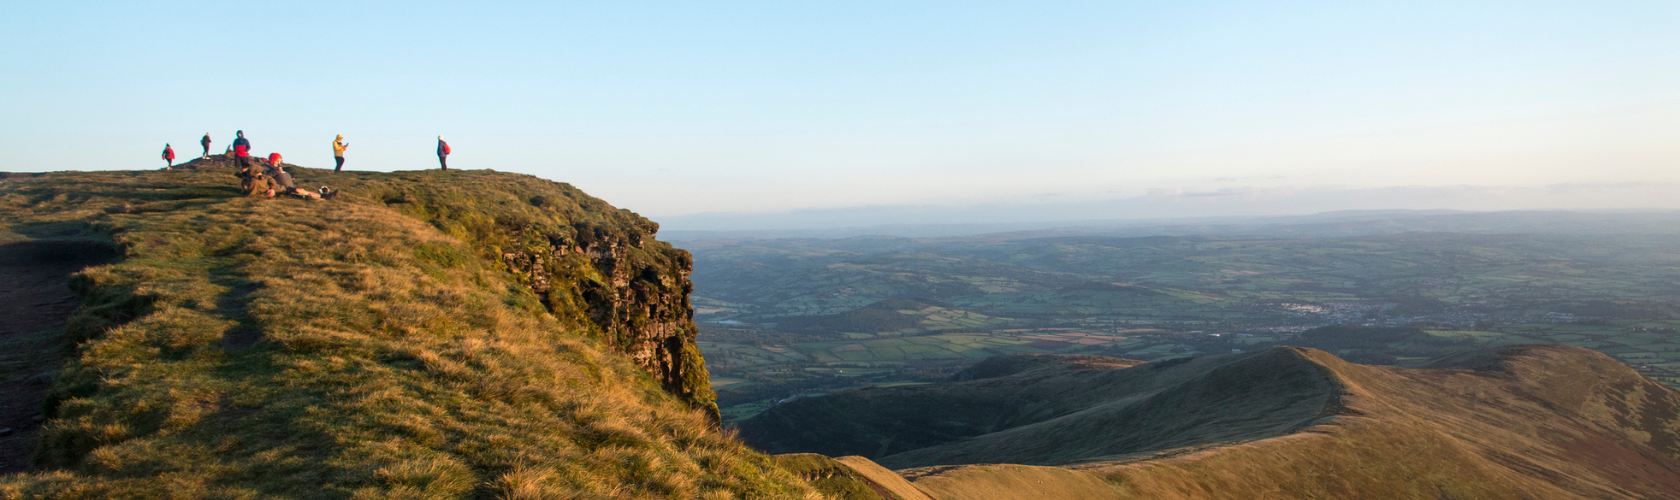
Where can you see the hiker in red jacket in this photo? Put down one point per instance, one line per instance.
(443, 153)
(241, 145)
(168, 156)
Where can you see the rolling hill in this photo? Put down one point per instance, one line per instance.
(1516, 422)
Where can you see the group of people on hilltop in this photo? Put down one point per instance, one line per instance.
(266, 176)
(241, 150)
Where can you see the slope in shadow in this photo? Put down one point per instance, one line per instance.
(1056, 410)
(234, 304)
(1518, 422)
(35, 303)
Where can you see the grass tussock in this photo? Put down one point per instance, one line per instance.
(284, 348)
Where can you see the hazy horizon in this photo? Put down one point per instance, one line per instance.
(815, 115)
(1162, 205)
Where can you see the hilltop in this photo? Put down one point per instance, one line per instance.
(1515, 422)
(433, 334)
(489, 335)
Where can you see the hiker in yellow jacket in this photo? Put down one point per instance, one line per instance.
(338, 152)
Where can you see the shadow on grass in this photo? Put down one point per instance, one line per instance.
(233, 305)
(36, 303)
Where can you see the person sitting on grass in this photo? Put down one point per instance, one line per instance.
(283, 183)
(268, 178)
(254, 181)
(284, 180)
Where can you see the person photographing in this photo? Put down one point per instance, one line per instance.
(338, 152)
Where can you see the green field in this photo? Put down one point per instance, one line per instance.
(783, 314)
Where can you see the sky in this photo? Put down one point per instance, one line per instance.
(733, 114)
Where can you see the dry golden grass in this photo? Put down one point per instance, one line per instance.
(1519, 422)
(284, 348)
(373, 348)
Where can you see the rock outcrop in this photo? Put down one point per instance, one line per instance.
(577, 252)
(585, 259)
(635, 296)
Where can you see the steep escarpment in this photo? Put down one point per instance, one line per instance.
(385, 345)
(597, 267)
(584, 258)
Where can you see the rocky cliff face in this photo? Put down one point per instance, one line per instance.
(635, 296)
(594, 266)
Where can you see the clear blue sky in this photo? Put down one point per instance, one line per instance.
(689, 107)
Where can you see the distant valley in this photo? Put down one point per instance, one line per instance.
(784, 318)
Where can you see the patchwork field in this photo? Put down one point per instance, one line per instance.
(780, 318)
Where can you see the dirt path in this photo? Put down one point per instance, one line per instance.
(35, 302)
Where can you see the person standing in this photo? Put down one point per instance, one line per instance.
(168, 156)
(206, 143)
(443, 153)
(241, 148)
(338, 152)
(241, 145)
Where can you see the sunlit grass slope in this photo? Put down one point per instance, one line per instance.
(284, 348)
(1518, 422)
(1531, 421)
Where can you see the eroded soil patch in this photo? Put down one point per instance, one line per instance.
(35, 302)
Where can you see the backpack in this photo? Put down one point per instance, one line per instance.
(446, 148)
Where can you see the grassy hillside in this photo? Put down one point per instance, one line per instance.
(488, 335)
(397, 344)
(1514, 422)
(1053, 410)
